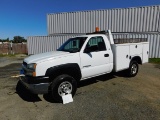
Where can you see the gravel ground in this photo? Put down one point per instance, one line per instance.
(111, 96)
(9, 60)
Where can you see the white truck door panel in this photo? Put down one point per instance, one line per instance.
(94, 63)
(95, 57)
(136, 49)
(145, 52)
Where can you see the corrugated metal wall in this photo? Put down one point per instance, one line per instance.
(138, 19)
(40, 44)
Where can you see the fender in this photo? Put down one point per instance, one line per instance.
(71, 69)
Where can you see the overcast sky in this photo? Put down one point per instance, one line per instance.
(29, 17)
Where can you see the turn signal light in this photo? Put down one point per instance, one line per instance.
(34, 74)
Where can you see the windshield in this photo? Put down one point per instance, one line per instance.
(73, 44)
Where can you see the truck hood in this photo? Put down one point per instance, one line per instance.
(43, 56)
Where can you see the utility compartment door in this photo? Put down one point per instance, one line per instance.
(121, 57)
(145, 52)
(136, 49)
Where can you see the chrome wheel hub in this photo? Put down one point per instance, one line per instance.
(65, 88)
(134, 69)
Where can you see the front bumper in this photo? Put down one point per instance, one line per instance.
(38, 85)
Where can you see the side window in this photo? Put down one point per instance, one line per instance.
(96, 44)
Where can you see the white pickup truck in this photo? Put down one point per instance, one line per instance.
(80, 58)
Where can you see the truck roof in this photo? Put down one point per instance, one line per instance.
(91, 35)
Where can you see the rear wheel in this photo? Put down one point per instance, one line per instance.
(133, 69)
(63, 85)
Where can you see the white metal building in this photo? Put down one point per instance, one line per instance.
(145, 20)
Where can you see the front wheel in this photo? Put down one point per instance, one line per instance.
(63, 85)
(133, 69)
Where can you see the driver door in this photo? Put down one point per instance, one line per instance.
(94, 58)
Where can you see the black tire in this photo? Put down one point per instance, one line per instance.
(133, 69)
(63, 84)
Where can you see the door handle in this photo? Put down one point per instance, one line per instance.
(106, 55)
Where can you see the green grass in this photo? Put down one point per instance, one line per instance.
(154, 60)
(9, 55)
(13, 55)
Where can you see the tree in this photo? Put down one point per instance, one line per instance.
(7, 40)
(4, 40)
(18, 39)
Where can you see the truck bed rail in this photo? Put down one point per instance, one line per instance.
(129, 40)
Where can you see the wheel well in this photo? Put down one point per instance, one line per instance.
(69, 69)
(137, 59)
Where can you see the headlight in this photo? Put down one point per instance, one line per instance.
(31, 66)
